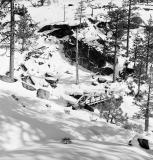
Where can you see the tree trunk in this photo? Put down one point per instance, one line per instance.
(23, 43)
(12, 41)
(77, 56)
(147, 57)
(147, 108)
(81, 14)
(135, 56)
(115, 53)
(139, 82)
(128, 29)
(92, 12)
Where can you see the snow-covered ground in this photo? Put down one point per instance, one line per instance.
(35, 131)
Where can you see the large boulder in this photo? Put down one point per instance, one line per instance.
(28, 86)
(44, 94)
(7, 79)
(101, 80)
(27, 79)
(60, 33)
(23, 67)
(52, 81)
(94, 83)
(139, 141)
(46, 28)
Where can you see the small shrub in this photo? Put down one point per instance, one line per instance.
(132, 126)
(66, 140)
(67, 111)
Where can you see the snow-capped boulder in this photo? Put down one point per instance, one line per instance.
(27, 79)
(101, 80)
(52, 81)
(139, 141)
(28, 86)
(94, 83)
(44, 94)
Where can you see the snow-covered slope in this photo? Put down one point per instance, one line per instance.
(35, 131)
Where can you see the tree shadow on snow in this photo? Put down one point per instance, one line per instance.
(78, 150)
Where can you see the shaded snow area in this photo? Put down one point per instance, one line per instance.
(35, 131)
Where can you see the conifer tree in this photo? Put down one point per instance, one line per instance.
(138, 57)
(26, 30)
(148, 43)
(80, 12)
(117, 22)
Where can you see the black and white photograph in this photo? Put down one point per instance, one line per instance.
(76, 79)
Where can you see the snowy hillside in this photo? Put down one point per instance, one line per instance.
(33, 128)
(30, 129)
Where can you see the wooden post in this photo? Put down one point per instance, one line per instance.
(77, 56)
(12, 40)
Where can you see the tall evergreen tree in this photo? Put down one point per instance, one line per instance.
(138, 57)
(25, 29)
(148, 31)
(116, 25)
(12, 40)
(5, 3)
(80, 12)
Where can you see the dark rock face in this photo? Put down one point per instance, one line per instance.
(27, 79)
(28, 87)
(89, 108)
(23, 67)
(143, 143)
(76, 96)
(45, 28)
(52, 81)
(90, 57)
(94, 83)
(29, 83)
(60, 30)
(60, 33)
(41, 93)
(106, 71)
(35, 54)
(48, 75)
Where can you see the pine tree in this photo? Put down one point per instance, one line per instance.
(128, 27)
(148, 43)
(26, 30)
(7, 3)
(137, 50)
(116, 25)
(80, 12)
(12, 40)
